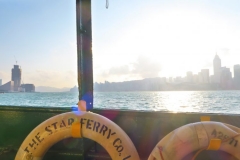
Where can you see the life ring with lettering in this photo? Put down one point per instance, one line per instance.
(198, 136)
(77, 125)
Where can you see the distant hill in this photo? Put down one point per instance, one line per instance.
(152, 84)
(51, 89)
(74, 89)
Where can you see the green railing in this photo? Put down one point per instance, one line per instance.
(145, 129)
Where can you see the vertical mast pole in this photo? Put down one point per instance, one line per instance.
(84, 52)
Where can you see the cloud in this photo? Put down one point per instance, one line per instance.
(146, 68)
(114, 74)
(121, 70)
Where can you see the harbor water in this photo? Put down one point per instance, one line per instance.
(171, 101)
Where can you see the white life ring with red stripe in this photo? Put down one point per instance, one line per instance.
(195, 136)
(77, 124)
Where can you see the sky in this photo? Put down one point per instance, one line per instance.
(131, 39)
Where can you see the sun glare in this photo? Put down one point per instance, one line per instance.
(175, 102)
(172, 38)
(178, 38)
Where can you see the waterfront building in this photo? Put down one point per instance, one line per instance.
(217, 69)
(200, 78)
(170, 80)
(178, 79)
(189, 77)
(211, 79)
(226, 78)
(28, 87)
(15, 84)
(205, 75)
(162, 80)
(195, 78)
(7, 87)
(236, 71)
(16, 77)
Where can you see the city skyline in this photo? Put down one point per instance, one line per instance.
(206, 76)
(231, 69)
(134, 41)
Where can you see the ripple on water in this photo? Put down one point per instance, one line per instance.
(192, 101)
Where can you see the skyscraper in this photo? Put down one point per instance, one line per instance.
(205, 75)
(217, 69)
(16, 77)
(236, 70)
(226, 78)
(189, 77)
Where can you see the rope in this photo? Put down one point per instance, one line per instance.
(160, 151)
(107, 4)
(160, 148)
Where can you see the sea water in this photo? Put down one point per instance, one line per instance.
(170, 101)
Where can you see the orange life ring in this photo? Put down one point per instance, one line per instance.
(201, 135)
(78, 124)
